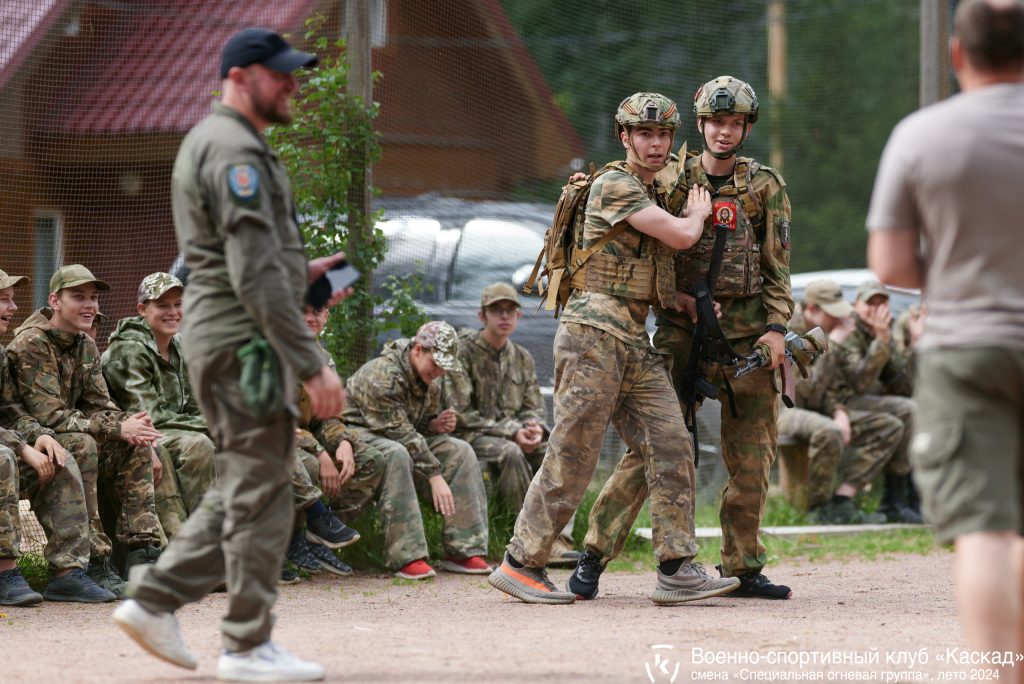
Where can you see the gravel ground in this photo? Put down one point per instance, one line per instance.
(458, 629)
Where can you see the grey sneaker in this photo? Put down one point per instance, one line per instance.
(101, 571)
(529, 585)
(690, 583)
(77, 587)
(14, 590)
(156, 632)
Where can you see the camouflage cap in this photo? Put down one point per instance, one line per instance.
(7, 281)
(498, 292)
(441, 341)
(72, 276)
(828, 296)
(870, 288)
(155, 285)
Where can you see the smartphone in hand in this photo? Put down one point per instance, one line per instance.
(341, 276)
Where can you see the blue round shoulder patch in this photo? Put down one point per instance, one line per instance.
(244, 181)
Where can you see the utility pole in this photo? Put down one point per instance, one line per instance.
(934, 51)
(358, 52)
(777, 85)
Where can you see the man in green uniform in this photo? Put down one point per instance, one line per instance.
(57, 368)
(35, 465)
(500, 409)
(352, 474)
(607, 372)
(845, 446)
(396, 405)
(753, 291)
(245, 344)
(880, 381)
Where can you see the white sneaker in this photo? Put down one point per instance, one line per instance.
(157, 633)
(268, 662)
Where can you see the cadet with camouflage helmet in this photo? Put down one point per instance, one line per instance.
(396, 405)
(753, 292)
(606, 371)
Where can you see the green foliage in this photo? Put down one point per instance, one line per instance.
(327, 151)
(34, 568)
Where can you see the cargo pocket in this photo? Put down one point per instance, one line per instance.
(934, 444)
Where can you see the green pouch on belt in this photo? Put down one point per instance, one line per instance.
(260, 380)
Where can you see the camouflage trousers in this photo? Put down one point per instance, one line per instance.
(600, 380)
(126, 475)
(188, 460)
(510, 469)
(384, 476)
(873, 441)
(304, 492)
(465, 532)
(902, 408)
(242, 527)
(748, 450)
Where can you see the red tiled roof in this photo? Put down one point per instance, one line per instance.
(160, 72)
(23, 25)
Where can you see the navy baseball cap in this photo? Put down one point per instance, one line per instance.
(262, 46)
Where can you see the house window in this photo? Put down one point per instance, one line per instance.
(48, 253)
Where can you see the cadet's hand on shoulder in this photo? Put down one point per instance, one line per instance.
(441, 493)
(39, 462)
(578, 176)
(52, 448)
(330, 478)
(777, 344)
(158, 466)
(698, 203)
(138, 429)
(326, 394)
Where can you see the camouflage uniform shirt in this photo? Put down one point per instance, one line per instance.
(16, 426)
(140, 379)
(60, 379)
(317, 435)
(872, 366)
(497, 390)
(387, 397)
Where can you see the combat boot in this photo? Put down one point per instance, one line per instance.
(894, 501)
(844, 512)
(142, 555)
(102, 572)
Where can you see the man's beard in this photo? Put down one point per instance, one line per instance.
(270, 113)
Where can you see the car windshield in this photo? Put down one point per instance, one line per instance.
(487, 248)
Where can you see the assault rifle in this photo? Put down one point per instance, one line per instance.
(801, 350)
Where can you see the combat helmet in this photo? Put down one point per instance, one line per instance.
(728, 95)
(647, 109)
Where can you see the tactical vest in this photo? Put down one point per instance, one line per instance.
(741, 263)
(648, 276)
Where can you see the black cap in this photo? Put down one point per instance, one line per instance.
(262, 46)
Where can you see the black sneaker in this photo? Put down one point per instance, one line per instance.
(143, 555)
(583, 580)
(14, 590)
(330, 532)
(756, 585)
(288, 576)
(77, 587)
(328, 561)
(301, 554)
(101, 571)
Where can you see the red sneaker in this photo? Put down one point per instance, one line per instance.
(416, 570)
(474, 565)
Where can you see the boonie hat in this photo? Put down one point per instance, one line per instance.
(262, 46)
(155, 285)
(441, 341)
(828, 296)
(498, 292)
(869, 289)
(7, 281)
(72, 276)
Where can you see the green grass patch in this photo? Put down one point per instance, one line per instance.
(35, 570)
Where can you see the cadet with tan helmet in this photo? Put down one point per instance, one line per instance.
(753, 291)
(607, 372)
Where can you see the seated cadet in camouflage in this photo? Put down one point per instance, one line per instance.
(33, 463)
(844, 445)
(906, 332)
(57, 369)
(144, 367)
(880, 380)
(606, 372)
(352, 474)
(500, 409)
(395, 405)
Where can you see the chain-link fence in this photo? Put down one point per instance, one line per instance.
(479, 100)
